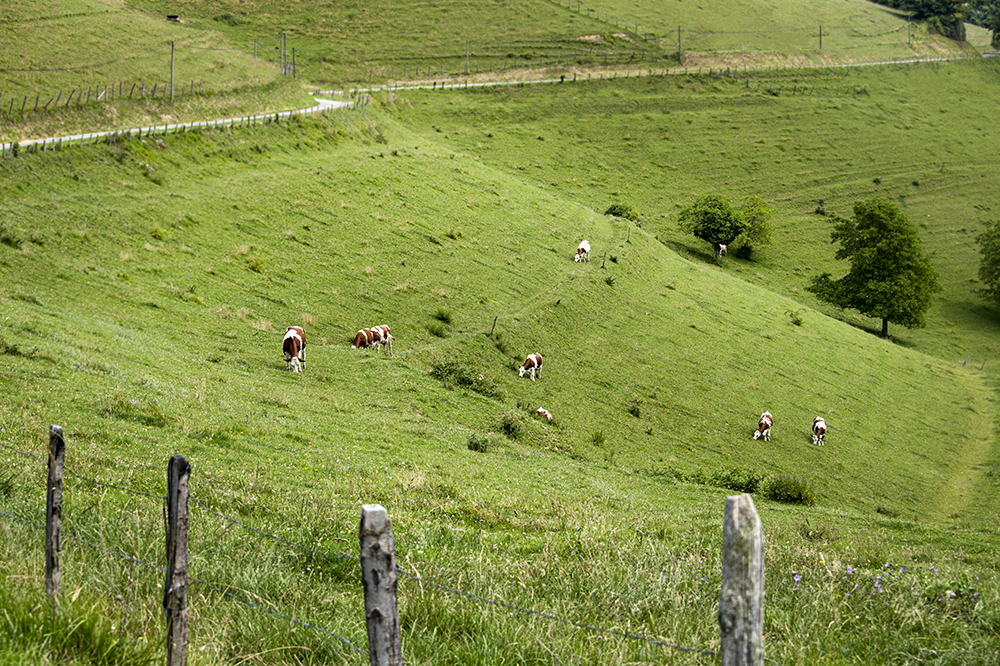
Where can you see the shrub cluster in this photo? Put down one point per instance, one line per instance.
(787, 488)
(781, 488)
(453, 373)
(625, 211)
(478, 443)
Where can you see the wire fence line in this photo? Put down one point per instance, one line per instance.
(197, 581)
(14, 148)
(416, 578)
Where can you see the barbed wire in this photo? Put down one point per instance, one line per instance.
(415, 578)
(281, 615)
(84, 478)
(23, 453)
(549, 616)
(196, 581)
(275, 537)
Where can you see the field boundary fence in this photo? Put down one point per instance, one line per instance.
(741, 596)
(747, 72)
(15, 148)
(22, 105)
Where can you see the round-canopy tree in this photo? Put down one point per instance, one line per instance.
(712, 218)
(757, 216)
(890, 278)
(989, 265)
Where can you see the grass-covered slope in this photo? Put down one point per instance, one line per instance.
(145, 290)
(84, 64)
(387, 39)
(822, 141)
(196, 256)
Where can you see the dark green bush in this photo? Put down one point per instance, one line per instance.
(633, 407)
(442, 315)
(478, 443)
(625, 211)
(452, 374)
(437, 330)
(787, 488)
(510, 426)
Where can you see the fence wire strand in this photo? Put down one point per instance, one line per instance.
(549, 616)
(196, 581)
(275, 537)
(422, 581)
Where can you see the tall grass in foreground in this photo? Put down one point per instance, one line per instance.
(569, 593)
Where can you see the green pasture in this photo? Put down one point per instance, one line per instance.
(72, 39)
(344, 44)
(820, 139)
(146, 289)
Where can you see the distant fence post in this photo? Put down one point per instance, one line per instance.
(741, 599)
(53, 512)
(378, 573)
(175, 589)
(171, 71)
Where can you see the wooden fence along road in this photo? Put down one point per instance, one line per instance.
(741, 609)
(88, 138)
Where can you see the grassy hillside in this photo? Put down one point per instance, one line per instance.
(109, 52)
(343, 43)
(145, 286)
(144, 308)
(833, 136)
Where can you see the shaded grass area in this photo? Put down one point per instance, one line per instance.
(156, 335)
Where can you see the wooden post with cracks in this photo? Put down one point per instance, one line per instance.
(741, 599)
(53, 512)
(378, 573)
(175, 589)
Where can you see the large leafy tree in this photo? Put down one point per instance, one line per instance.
(989, 265)
(757, 216)
(890, 278)
(714, 219)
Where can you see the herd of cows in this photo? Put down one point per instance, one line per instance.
(378, 337)
(766, 421)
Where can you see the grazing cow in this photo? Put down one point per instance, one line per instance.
(532, 364)
(819, 430)
(382, 337)
(764, 426)
(583, 252)
(545, 414)
(720, 249)
(294, 346)
(363, 339)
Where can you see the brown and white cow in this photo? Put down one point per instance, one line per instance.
(363, 339)
(532, 364)
(583, 251)
(764, 427)
(720, 249)
(544, 413)
(819, 430)
(294, 347)
(382, 337)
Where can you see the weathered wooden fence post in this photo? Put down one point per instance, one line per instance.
(741, 600)
(175, 589)
(378, 573)
(53, 512)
